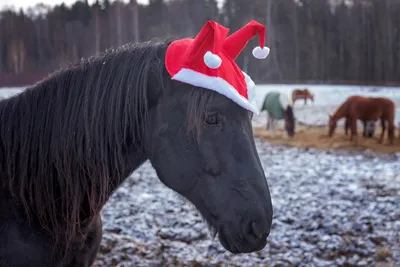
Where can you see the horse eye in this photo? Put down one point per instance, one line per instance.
(212, 119)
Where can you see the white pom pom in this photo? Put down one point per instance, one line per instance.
(212, 61)
(260, 53)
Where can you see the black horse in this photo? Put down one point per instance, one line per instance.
(69, 141)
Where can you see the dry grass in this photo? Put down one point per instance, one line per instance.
(317, 137)
(383, 254)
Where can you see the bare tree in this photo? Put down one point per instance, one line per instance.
(135, 15)
(271, 40)
(97, 29)
(118, 18)
(17, 55)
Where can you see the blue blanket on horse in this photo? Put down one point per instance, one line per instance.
(272, 105)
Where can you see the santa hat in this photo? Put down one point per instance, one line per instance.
(207, 61)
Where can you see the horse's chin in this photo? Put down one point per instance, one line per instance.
(234, 246)
(238, 245)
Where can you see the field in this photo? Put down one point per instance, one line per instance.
(334, 205)
(312, 130)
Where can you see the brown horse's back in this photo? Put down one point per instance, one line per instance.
(301, 91)
(371, 108)
(301, 94)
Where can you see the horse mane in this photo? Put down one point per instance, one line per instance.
(63, 139)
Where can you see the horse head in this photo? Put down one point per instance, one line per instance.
(308, 94)
(201, 145)
(332, 123)
(213, 162)
(290, 121)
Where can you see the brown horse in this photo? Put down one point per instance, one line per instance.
(365, 109)
(302, 94)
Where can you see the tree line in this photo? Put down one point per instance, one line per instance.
(350, 41)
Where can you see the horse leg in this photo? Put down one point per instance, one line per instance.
(365, 128)
(272, 126)
(268, 121)
(354, 136)
(86, 256)
(285, 133)
(390, 131)
(383, 125)
(399, 130)
(305, 101)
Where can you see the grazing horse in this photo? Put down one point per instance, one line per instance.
(365, 109)
(302, 94)
(369, 128)
(278, 107)
(69, 141)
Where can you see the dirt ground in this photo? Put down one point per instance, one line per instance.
(317, 137)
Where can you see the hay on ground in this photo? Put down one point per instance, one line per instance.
(307, 136)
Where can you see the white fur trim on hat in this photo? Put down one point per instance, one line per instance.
(260, 53)
(251, 94)
(212, 61)
(216, 84)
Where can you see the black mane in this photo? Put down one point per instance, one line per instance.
(62, 140)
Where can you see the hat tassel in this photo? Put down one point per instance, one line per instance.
(212, 60)
(260, 53)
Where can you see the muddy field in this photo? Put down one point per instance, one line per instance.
(330, 209)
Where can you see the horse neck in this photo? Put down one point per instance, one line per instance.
(289, 113)
(340, 112)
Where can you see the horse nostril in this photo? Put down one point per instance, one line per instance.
(259, 229)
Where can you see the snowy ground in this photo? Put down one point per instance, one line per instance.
(330, 208)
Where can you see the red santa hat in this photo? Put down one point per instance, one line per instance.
(208, 61)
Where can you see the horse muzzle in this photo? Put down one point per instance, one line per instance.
(250, 237)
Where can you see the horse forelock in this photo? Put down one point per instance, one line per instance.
(200, 99)
(64, 138)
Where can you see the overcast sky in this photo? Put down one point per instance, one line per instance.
(28, 3)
